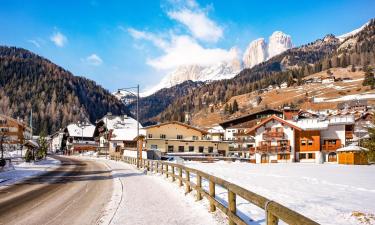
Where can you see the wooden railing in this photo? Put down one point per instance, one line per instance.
(273, 149)
(273, 134)
(273, 210)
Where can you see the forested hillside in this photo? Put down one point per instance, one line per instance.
(28, 81)
(290, 66)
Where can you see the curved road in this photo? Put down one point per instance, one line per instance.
(75, 193)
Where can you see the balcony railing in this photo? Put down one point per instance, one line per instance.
(276, 149)
(273, 134)
(330, 147)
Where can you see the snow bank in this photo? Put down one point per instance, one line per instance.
(25, 170)
(328, 194)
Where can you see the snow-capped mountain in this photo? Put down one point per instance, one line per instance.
(259, 50)
(219, 71)
(351, 33)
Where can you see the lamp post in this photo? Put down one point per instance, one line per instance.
(127, 90)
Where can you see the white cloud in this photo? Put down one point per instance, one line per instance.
(183, 50)
(198, 24)
(157, 41)
(58, 39)
(93, 60)
(34, 42)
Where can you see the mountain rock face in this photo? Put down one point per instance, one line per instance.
(259, 50)
(255, 53)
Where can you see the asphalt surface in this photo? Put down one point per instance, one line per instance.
(75, 193)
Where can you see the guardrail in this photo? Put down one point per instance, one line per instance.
(273, 210)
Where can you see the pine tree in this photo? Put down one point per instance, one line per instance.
(370, 144)
(369, 77)
(235, 106)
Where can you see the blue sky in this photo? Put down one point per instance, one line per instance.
(123, 43)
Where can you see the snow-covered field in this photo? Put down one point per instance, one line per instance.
(328, 193)
(24, 170)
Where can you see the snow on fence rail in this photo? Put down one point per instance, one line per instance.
(273, 210)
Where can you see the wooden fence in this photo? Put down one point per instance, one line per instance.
(273, 210)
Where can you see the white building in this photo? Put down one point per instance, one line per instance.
(56, 141)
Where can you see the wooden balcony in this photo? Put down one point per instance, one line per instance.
(273, 149)
(273, 135)
(330, 147)
(348, 134)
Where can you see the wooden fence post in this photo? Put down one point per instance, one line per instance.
(212, 194)
(166, 170)
(180, 176)
(231, 205)
(199, 185)
(173, 176)
(162, 168)
(271, 219)
(187, 181)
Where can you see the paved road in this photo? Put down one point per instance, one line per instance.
(75, 193)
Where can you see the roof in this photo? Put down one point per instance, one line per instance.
(75, 130)
(119, 122)
(248, 117)
(31, 143)
(273, 117)
(125, 134)
(216, 130)
(178, 123)
(22, 123)
(351, 148)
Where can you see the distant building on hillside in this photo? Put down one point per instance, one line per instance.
(356, 104)
(56, 141)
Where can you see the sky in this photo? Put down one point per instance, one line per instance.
(124, 43)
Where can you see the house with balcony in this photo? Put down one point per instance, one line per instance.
(303, 140)
(14, 132)
(176, 138)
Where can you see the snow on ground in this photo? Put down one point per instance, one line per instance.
(142, 199)
(328, 193)
(25, 170)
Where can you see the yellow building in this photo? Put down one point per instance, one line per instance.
(176, 137)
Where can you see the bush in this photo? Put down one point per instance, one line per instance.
(29, 156)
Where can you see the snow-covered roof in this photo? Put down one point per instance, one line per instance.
(352, 148)
(126, 134)
(76, 130)
(120, 122)
(321, 124)
(32, 143)
(216, 130)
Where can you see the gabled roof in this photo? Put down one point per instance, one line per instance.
(248, 117)
(273, 117)
(178, 123)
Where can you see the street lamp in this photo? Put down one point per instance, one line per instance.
(127, 90)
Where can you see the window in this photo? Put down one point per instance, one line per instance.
(179, 136)
(162, 136)
(181, 148)
(302, 156)
(149, 135)
(210, 149)
(310, 142)
(154, 147)
(201, 148)
(195, 138)
(303, 142)
(311, 155)
(170, 148)
(332, 142)
(191, 148)
(114, 145)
